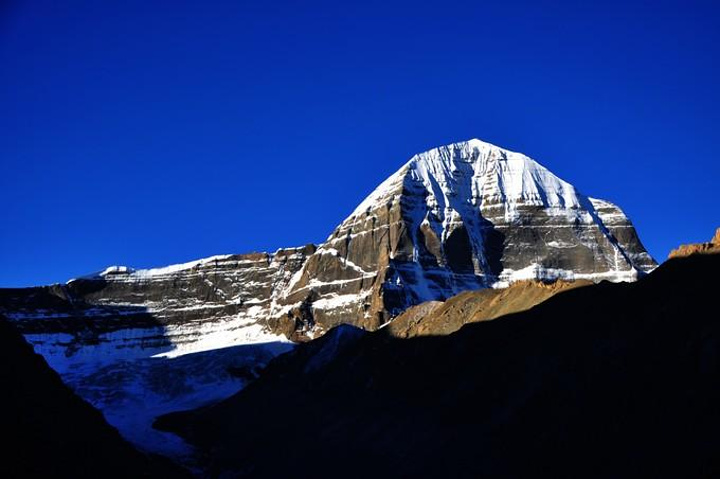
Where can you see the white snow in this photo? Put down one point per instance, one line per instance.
(467, 181)
(561, 245)
(465, 172)
(116, 269)
(536, 271)
(126, 273)
(346, 263)
(208, 336)
(133, 393)
(474, 175)
(135, 374)
(339, 301)
(167, 270)
(383, 193)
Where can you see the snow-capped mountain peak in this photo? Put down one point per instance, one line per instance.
(485, 175)
(481, 174)
(469, 215)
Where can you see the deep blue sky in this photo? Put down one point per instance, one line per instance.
(149, 133)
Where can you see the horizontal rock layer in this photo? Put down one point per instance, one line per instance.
(124, 314)
(461, 217)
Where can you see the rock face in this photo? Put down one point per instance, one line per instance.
(713, 247)
(607, 380)
(438, 318)
(122, 313)
(464, 216)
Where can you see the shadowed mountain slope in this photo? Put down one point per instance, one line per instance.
(48, 431)
(610, 380)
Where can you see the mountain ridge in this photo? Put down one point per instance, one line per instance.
(458, 217)
(564, 389)
(710, 247)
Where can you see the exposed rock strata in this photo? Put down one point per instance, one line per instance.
(462, 217)
(124, 314)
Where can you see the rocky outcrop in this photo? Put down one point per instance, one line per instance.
(713, 247)
(139, 343)
(463, 217)
(122, 313)
(436, 318)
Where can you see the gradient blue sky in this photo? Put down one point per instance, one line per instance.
(149, 133)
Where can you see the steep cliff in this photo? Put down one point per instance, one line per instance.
(465, 216)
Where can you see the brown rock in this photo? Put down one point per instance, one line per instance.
(435, 318)
(713, 247)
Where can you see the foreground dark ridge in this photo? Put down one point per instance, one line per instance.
(612, 380)
(48, 431)
(711, 247)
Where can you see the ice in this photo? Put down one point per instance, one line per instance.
(133, 393)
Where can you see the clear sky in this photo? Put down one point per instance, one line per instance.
(148, 133)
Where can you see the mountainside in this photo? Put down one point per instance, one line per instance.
(136, 344)
(50, 432)
(437, 318)
(711, 247)
(121, 313)
(569, 388)
(466, 216)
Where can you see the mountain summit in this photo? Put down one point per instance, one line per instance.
(468, 215)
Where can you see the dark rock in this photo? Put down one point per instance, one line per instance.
(48, 431)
